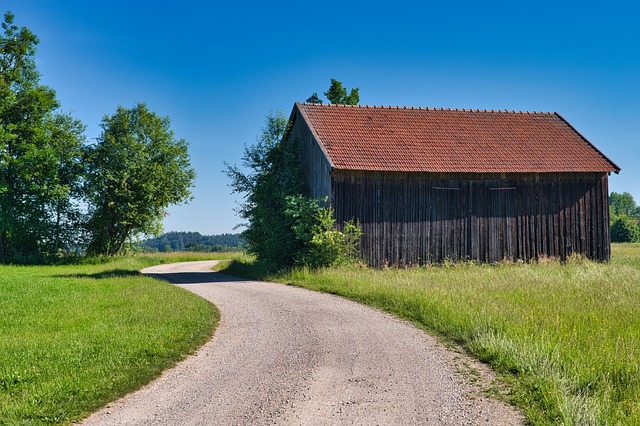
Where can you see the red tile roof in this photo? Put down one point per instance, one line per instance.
(447, 140)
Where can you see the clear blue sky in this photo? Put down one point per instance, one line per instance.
(216, 68)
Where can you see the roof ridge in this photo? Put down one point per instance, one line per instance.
(442, 109)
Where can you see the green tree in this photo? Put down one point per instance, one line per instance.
(272, 174)
(337, 94)
(40, 156)
(283, 227)
(625, 218)
(624, 229)
(135, 171)
(623, 204)
(314, 99)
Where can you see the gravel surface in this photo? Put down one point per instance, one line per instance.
(285, 355)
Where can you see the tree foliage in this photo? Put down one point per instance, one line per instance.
(135, 171)
(337, 94)
(623, 204)
(57, 194)
(315, 227)
(625, 218)
(273, 175)
(314, 99)
(40, 156)
(624, 229)
(283, 227)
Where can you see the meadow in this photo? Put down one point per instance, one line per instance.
(77, 336)
(565, 338)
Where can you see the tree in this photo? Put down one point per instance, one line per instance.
(314, 99)
(273, 175)
(337, 94)
(135, 171)
(285, 228)
(624, 230)
(623, 204)
(625, 218)
(40, 156)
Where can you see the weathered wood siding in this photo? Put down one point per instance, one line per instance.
(417, 218)
(317, 169)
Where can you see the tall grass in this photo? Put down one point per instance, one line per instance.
(75, 337)
(566, 337)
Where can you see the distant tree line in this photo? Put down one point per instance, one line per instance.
(194, 241)
(61, 195)
(625, 218)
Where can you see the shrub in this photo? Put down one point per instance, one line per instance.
(323, 244)
(624, 229)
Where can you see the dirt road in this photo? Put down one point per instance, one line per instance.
(285, 355)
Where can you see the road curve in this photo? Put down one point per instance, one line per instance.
(289, 356)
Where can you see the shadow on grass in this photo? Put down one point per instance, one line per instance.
(251, 270)
(194, 277)
(172, 277)
(114, 273)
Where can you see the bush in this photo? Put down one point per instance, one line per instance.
(315, 228)
(624, 229)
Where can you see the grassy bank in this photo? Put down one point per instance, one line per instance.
(565, 337)
(77, 336)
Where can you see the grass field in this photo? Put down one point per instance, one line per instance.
(566, 338)
(77, 336)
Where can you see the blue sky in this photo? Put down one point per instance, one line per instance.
(217, 68)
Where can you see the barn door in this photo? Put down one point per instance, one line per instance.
(492, 221)
(502, 242)
(448, 233)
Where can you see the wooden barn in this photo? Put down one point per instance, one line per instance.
(430, 185)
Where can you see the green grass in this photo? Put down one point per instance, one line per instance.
(75, 337)
(565, 338)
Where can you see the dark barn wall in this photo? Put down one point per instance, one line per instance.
(416, 218)
(316, 167)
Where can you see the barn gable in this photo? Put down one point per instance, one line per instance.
(435, 184)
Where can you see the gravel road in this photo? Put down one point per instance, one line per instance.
(288, 356)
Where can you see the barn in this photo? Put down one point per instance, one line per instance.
(430, 185)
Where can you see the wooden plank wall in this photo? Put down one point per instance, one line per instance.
(418, 218)
(315, 164)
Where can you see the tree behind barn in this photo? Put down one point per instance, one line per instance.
(625, 218)
(337, 94)
(136, 170)
(623, 204)
(314, 99)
